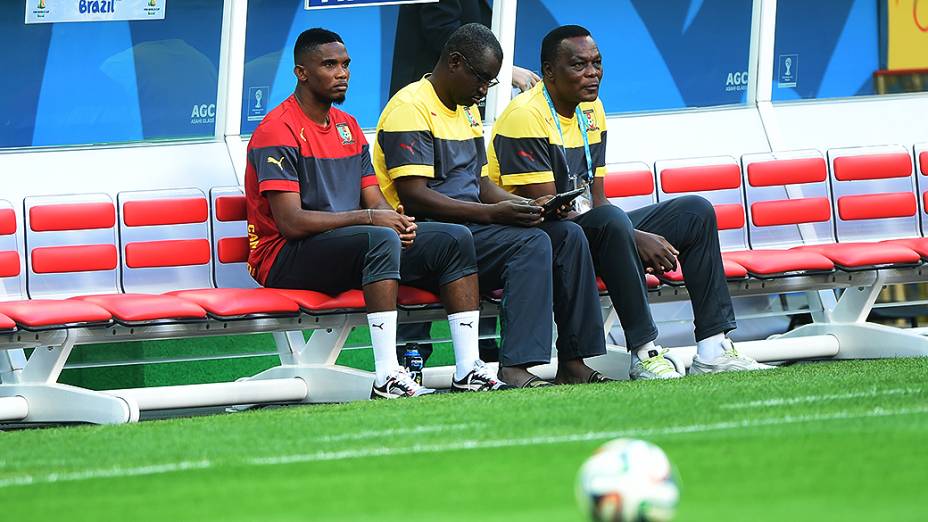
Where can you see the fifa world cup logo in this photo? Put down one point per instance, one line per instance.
(41, 4)
(789, 65)
(152, 3)
(258, 96)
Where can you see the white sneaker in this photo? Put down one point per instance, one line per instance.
(481, 378)
(730, 361)
(656, 366)
(398, 385)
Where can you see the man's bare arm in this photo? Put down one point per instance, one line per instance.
(422, 201)
(296, 223)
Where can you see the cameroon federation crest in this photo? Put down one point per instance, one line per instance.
(590, 120)
(345, 133)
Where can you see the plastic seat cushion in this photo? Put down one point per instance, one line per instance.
(311, 301)
(732, 271)
(773, 262)
(50, 313)
(7, 324)
(135, 308)
(918, 244)
(411, 296)
(650, 281)
(240, 302)
(862, 255)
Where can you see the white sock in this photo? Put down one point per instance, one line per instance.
(641, 353)
(383, 339)
(710, 347)
(464, 336)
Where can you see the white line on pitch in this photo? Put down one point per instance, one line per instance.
(71, 476)
(360, 435)
(418, 430)
(27, 480)
(578, 437)
(787, 401)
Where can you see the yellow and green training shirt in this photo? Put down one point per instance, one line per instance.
(526, 146)
(417, 135)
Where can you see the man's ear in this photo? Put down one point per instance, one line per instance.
(300, 72)
(454, 60)
(547, 70)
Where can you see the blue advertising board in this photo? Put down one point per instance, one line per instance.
(274, 26)
(672, 54)
(837, 44)
(329, 4)
(114, 81)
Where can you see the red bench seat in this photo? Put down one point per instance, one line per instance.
(43, 314)
(772, 263)
(858, 256)
(240, 303)
(311, 302)
(7, 324)
(132, 309)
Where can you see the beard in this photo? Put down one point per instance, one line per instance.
(338, 100)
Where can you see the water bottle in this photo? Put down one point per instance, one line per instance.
(413, 363)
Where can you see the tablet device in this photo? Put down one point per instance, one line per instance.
(560, 200)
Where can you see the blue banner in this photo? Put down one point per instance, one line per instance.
(825, 49)
(329, 4)
(369, 35)
(671, 54)
(106, 82)
(47, 11)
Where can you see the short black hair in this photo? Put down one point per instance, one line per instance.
(552, 41)
(310, 39)
(471, 41)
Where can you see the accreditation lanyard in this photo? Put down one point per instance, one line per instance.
(584, 125)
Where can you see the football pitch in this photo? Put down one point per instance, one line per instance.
(823, 441)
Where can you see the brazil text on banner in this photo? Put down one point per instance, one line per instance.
(908, 35)
(329, 4)
(50, 11)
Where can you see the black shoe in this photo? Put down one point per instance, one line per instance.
(479, 379)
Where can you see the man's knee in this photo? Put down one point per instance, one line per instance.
(615, 220)
(459, 239)
(697, 206)
(383, 243)
(571, 234)
(536, 245)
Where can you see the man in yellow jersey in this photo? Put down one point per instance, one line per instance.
(552, 139)
(430, 156)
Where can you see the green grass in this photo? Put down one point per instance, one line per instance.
(206, 371)
(834, 441)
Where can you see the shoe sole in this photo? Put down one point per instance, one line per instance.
(455, 388)
(376, 395)
(694, 370)
(640, 378)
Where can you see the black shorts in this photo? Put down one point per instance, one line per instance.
(351, 257)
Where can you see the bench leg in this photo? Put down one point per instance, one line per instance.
(326, 383)
(846, 319)
(46, 401)
(314, 362)
(11, 364)
(866, 340)
(54, 403)
(614, 363)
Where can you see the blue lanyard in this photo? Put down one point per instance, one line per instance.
(584, 125)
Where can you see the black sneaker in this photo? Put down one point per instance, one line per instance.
(481, 378)
(399, 385)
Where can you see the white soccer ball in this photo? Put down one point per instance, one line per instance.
(628, 480)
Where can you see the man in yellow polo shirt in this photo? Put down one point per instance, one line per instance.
(430, 156)
(552, 139)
